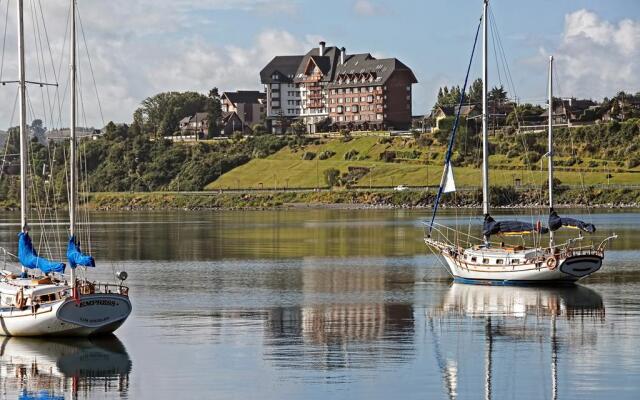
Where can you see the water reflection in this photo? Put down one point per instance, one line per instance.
(53, 368)
(513, 315)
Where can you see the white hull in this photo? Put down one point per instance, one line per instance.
(94, 314)
(498, 266)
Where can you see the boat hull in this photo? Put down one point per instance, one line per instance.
(498, 267)
(524, 274)
(93, 314)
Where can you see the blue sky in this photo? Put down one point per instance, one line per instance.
(143, 47)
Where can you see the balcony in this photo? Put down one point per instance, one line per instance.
(311, 78)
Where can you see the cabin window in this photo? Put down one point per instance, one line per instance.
(515, 261)
(485, 261)
(474, 259)
(499, 261)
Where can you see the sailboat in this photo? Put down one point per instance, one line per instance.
(479, 260)
(47, 302)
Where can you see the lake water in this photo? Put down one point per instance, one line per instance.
(340, 304)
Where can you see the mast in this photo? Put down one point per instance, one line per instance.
(23, 123)
(550, 144)
(72, 130)
(485, 114)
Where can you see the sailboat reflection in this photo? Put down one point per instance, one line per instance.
(500, 307)
(53, 368)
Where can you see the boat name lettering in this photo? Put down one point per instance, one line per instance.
(88, 303)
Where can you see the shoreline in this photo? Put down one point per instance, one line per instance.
(504, 198)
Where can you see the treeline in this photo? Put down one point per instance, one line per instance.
(125, 158)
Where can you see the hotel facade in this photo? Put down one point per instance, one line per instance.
(328, 88)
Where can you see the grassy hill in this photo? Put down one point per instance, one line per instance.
(417, 162)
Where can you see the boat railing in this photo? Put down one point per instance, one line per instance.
(449, 236)
(101, 287)
(7, 256)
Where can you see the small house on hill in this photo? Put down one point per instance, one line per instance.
(249, 105)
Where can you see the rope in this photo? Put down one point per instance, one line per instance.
(454, 129)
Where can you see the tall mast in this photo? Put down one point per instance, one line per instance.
(23, 122)
(485, 114)
(72, 126)
(550, 144)
(72, 130)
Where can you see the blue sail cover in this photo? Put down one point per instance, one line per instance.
(493, 227)
(556, 222)
(29, 257)
(77, 257)
(41, 395)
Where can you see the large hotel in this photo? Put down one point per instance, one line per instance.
(328, 87)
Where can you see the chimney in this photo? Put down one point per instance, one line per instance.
(322, 44)
(343, 52)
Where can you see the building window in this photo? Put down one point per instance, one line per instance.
(354, 109)
(340, 100)
(379, 117)
(348, 99)
(348, 90)
(348, 108)
(355, 99)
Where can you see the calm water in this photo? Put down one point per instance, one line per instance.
(318, 304)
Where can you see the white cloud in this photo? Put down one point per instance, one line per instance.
(366, 8)
(598, 58)
(136, 53)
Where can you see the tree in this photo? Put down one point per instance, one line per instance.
(332, 176)
(448, 97)
(214, 112)
(160, 115)
(498, 94)
(39, 131)
(475, 92)
(298, 128)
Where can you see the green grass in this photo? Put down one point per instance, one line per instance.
(287, 169)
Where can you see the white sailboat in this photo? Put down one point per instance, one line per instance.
(47, 303)
(478, 260)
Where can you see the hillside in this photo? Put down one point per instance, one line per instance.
(386, 162)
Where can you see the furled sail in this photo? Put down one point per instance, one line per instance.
(556, 222)
(493, 227)
(29, 257)
(76, 256)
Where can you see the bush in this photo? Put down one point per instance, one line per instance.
(308, 155)
(327, 154)
(331, 176)
(388, 156)
(424, 141)
(633, 162)
(351, 155)
(532, 157)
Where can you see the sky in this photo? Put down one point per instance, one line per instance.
(143, 47)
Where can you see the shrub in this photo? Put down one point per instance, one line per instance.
(388, 156)
(308, 155)
(325, 155)
(331, 176)
(424, 141)
(633, 162)
(351, 154)
(531, 157)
